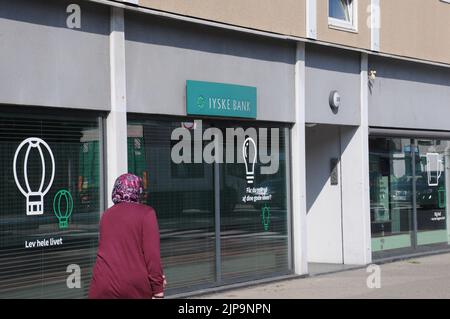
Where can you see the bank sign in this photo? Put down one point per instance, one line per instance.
(219, 99)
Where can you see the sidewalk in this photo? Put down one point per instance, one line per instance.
(426, 277)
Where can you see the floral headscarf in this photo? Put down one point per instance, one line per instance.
(127, 188)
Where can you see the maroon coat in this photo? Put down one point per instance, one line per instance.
(128, 263)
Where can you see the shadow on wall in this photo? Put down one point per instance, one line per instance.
(409, 71)
(94, 17)
(159, 31)
(332, 59)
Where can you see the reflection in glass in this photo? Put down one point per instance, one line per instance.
(431, 191)
(391, 201)
(183, 197)
(340, 9)
(409, 179)
(254, 236)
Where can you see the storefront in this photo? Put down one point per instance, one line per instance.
(224, 219)
(262, 156)
(408, 159)
(219, 88)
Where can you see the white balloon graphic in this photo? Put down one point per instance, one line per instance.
(35, 199)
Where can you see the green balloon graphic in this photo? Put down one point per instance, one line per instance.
(63, 217)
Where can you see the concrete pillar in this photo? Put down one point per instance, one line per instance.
(116, 122)
(355, 183)
(299, 167)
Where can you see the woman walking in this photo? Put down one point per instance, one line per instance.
(128, 263)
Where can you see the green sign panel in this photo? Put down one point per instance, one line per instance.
(219, 99)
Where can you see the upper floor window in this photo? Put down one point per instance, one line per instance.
(342, 14)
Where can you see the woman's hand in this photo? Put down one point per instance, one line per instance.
(158, 295)
(161, 294)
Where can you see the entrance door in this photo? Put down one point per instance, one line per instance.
(324, 194)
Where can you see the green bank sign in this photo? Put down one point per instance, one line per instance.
(219, 99)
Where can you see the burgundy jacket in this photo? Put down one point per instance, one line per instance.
(128, 263)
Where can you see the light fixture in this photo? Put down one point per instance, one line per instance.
(63, 217)
(335, 101)
(35, 199)
(372, 75)
(249, 160)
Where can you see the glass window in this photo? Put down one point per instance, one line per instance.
(47, 223)
(196, 201)
(342, 13)
(391, 193)
(409, 179)
(254, 234)
(431, 186)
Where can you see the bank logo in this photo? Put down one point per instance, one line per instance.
(35, 199)
(201, 102)
(60, 212)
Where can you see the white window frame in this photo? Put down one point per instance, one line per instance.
(344, 25)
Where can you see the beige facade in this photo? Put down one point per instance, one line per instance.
(416, 28)
(410, 28)
(281, 16)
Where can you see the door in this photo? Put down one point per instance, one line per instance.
(324, 194)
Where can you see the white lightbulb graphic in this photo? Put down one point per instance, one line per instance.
(35, 199)
(249, 160)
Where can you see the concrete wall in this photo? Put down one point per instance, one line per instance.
(161, 55)
(323, 200)
(409, 95)
(42, 62)
(329, 69)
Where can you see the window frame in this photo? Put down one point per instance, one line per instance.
(352, 25)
